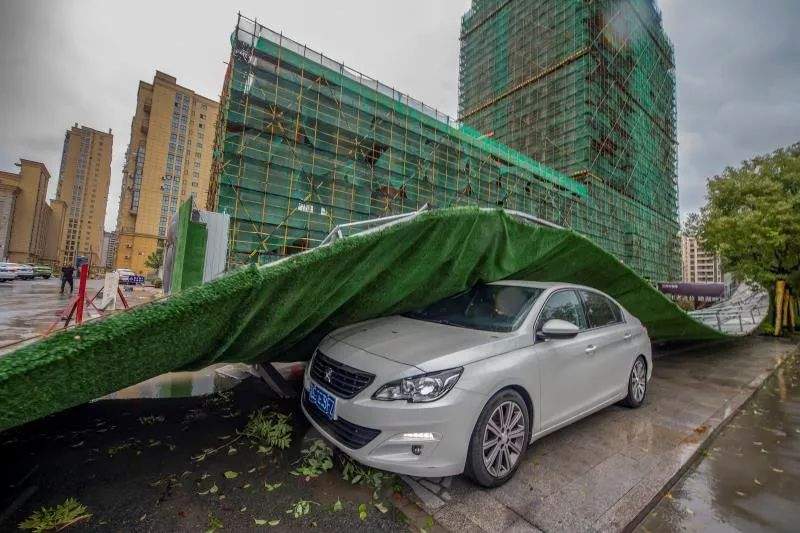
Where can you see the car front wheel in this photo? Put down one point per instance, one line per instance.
(637, 384)
(499, 439)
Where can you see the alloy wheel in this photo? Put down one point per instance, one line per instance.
(503, 439)
(638, 380)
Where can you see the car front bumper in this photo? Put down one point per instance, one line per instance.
(441, 429)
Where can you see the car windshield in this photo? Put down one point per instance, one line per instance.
(484, 307)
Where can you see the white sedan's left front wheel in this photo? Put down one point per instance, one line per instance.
(499, 439)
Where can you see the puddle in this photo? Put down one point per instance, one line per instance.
(209, 380)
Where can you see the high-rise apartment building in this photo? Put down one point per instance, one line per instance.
(588, 88)
(83, 185)
(168, 160)
(24, 213)
(698, 264)
(108, 251)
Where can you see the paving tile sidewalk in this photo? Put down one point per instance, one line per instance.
(603, 473)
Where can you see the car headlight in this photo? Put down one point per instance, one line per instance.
(422, 388)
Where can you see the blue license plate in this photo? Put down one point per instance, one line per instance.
(324, 401)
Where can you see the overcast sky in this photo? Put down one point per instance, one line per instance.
(61, 62)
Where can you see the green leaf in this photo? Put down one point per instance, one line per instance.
(230, 474)
(259, 522)
(338, 505)
(274, 523)
(212, 490)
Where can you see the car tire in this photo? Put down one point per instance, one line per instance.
(637, 384)
(480, 465)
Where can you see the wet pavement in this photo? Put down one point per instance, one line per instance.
(749, 476)
(209, 380)
(29, 307)
(603, 472)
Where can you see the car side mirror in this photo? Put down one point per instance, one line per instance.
(559, 329)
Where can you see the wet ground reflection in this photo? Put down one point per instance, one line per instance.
(749, 479)
(209, 380)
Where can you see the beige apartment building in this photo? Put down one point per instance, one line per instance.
(24, 213)
(83, 186)
(698, 265)
(168, 160)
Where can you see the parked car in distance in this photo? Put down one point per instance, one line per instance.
(8, 271)
(125, 276)
(42, 271)
(466, 384)
(25, 271)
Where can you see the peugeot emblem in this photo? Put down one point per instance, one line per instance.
(328, 374)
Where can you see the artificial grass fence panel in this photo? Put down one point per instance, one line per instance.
(258, 314)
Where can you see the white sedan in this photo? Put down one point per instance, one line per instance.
(466, 384)
(126, 276)
(8, 271)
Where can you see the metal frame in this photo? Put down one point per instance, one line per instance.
(382, 222)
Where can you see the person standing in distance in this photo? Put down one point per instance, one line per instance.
(66, 277)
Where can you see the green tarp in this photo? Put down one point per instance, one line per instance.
(264, 313)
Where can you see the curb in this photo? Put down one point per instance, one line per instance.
(718, 421)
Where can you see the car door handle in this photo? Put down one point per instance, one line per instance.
(590, 349)
(628, 336)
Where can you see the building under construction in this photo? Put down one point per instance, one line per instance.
(305, 143)
(587, 88)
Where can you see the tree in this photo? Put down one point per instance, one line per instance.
(156, 258)
(691, 226)
(752, 220)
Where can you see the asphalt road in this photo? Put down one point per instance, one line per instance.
(29, 307)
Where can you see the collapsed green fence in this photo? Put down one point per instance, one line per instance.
(265, 313)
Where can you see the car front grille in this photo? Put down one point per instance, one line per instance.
(351, 435)
(342, 380)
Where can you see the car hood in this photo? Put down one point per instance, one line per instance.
(426, 345)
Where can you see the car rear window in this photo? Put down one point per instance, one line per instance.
(600, 310)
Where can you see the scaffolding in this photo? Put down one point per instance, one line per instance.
(570, 128)
(305, 144)
(587, 88)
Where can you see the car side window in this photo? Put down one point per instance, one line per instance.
(600, 310)
(563, 305)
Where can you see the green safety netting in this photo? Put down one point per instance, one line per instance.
(276, 312)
